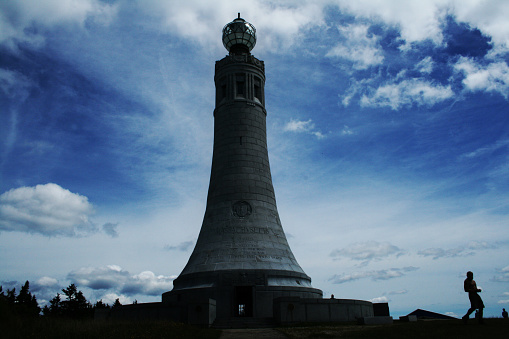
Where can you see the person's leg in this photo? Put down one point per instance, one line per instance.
(469, 312)
(481, 320)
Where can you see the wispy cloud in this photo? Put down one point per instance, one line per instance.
(111, 229)
(367, 251)
(406, 93)
(17, 19)
(487, 150)
(360, 47)
(468, 249)
(405, 291)
(387, 274)
(425, 65)
(183, 246)
(502, 275)
(300, 126)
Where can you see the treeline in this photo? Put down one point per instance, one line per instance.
(70, 304)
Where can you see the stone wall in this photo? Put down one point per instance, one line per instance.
(289, 310)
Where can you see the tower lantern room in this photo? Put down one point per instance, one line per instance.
(239, 36)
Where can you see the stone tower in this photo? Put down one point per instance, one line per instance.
(242, 259)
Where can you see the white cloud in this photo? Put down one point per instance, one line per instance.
(422, 20)
(148, 283)
(281, 23)
(493, 77)
(45, 209)
(417, 20)
(366, 251)
(17, 17)
(299, 126)
(383, 299)
(490, 16)
(201, 20)
(407, 93)
(360, 48)
(110, 298)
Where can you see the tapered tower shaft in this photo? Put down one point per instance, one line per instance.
(242, 258)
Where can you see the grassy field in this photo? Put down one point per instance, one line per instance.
(62, 328)
(450, 329)
(77, 329)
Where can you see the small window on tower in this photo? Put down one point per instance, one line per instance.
(223, 91)
(257, 90)
(241, 84)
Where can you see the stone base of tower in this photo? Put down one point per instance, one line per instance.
(238, 294)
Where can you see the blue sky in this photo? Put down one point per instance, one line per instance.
(388, 133)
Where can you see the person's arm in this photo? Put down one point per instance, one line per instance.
(474, 287)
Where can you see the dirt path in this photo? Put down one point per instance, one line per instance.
(252, 333)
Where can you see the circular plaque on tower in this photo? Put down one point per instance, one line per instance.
(242, 209)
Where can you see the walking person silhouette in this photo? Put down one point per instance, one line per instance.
(476, 303)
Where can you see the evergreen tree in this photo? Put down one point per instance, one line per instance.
(100, 305)
(11, 296)
(54, 308)
(24, 296)
(26, 303)
(22, 305)
(117, 303)
(76, 305)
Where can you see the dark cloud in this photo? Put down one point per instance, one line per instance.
(111, 276)
(44, 284)
(114, 278)
(183, 246)
(9, 285)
